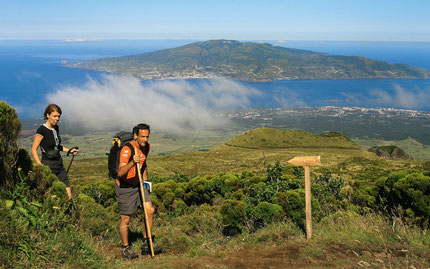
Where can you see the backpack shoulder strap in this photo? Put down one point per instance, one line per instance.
(147, 148)
(130, 146)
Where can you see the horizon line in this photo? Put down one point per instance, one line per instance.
(88, 40)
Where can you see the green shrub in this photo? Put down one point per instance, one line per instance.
(231, 182)
(199, 191)
(23, 161)
(238, 195)
(58, 189)
(261, 192)
(294, 205)
(168, 199)
(274, 172)
(179, 193)
(180, 207)
(412, 192)
(94, 218)
(200, 221)
(264, 213)
(328, 191)
(103, 192)
(233, 216)
(40, 179)
(405, 194)
(166, 193)
(154, 199)
(9, 131)
(267, 191)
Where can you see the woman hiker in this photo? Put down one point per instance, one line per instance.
(48, 139)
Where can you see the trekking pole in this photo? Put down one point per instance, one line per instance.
(148, 229)
(70, 164)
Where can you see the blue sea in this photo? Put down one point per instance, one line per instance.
(31, 69)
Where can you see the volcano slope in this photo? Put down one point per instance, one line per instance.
(342, 239)
(252, 149)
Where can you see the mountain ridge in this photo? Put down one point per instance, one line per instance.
(248, 61)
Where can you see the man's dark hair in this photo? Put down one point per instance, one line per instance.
(140, 126)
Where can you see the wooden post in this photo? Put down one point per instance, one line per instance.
(308, 202)
(307, 161)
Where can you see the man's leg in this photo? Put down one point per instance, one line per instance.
(126, 250)
(123, 229)
(150, 210)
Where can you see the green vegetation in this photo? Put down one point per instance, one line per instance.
(248, 61)
(274, 138)
(9, 130)
(35, 218)
(414, 148)
(230, 207)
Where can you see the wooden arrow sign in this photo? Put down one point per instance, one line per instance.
(307, 161)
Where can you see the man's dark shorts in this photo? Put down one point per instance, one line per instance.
(57, 169)
(129, 198)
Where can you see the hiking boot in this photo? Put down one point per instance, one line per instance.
(128, 253)
(146, 250)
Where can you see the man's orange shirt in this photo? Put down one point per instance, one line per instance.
(125, 155)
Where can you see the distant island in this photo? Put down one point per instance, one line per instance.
(248, 61)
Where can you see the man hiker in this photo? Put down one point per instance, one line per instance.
(127, 187)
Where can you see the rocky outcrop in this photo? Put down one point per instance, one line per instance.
(390, 152)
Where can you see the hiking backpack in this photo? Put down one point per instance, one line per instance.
(118, 142)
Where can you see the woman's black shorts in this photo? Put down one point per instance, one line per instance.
(57, 169)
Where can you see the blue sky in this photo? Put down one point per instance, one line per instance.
(364, 20)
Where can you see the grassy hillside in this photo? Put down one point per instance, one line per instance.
(240, 157)
(194, 239)
(418, 150)
(229, 207)
(275, 138)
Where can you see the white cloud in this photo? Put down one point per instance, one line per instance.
(119, 102)
(289, 99)
(399, 98)
(79, 40)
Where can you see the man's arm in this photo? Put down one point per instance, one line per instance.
(145, 174)
(123, 168)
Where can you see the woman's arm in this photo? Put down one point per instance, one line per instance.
(36, 143)
(73, 151)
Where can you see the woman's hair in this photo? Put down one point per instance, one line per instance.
(51, 108)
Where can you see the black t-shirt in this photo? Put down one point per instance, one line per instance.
(51, 141)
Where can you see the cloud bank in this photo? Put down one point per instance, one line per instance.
(399, 98)
(120, 102)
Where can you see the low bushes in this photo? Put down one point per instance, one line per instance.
(403, 194)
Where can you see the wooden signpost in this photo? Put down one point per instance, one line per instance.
(306, 162)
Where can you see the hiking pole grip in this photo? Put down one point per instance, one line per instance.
(148, 229)
(68, 152)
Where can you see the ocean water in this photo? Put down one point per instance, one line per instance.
(31, 69)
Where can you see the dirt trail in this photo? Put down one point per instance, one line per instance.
(288, 255)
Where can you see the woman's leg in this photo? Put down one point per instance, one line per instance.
(69, 193)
